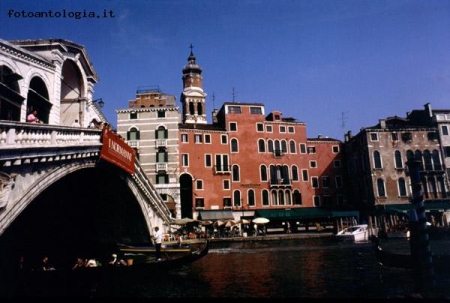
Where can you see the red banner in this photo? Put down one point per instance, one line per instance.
(117, 151)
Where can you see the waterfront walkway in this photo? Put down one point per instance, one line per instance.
(272, 237)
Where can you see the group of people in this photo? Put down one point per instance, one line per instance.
(45, 264)
(32, 117)
(95, 263)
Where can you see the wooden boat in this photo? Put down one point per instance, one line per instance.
(81, 281)
(440, 262)
(130, 249)
(354, 233)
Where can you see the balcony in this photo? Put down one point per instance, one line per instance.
(277, 153)
(161, 166)
(222, 169)
(133, 143)
(160, 143)
(280, 183)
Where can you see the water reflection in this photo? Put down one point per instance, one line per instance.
(303, 268)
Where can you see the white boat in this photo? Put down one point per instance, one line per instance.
(354, 233)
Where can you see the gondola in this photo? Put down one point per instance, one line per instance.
(440, 262)
(82, 281)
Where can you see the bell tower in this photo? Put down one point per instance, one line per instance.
(193, 97)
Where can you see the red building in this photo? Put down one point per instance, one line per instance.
(249, 163)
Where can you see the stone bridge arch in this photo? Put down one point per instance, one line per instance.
(85, 187)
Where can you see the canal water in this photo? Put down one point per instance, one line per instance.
(296, 268)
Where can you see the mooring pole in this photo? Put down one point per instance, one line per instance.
(422, 260)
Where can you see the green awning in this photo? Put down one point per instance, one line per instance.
(216, 215)
(440, 205)
(280, 214)
(345, 214)
(313, 213)
(294, 213)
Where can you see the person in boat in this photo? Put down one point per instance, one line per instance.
(179, 240)
(21, 262)
(45, 264)
(78, 263)
(157, 237)
(92, 263)
(116, 262)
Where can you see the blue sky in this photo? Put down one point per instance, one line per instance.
(336, 65)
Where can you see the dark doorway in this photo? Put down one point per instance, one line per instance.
(186, 195)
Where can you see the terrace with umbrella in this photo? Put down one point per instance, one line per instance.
(260, 228)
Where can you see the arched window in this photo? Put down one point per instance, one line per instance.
(427, 160)
(279, 174)
(261, 146)
(292, 147)
(294, 173)
(377, 160)
(265, 198)
(436, 160)
(38, 99)
(234, 146)
(277, 145)
(274, 198)
(133, 134)
(409, 155)
(200, 108)
(287, 197)
(251, 197)
(418, 156)
(380, 186)
(270, 146)
(297, 197)
(263, 171)
(236, 176)
(398, 159)
(161, 133)
(441, 183)
(281, 200)
(402, 187)
(424, 182)
(284, 147)
(237, 198)
(191, 108)
(433, 186)
(10, 110)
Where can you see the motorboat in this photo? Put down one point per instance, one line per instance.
(354, 233)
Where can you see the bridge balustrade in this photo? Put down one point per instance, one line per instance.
(17, 135)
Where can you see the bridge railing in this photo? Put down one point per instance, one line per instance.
(16, 135)
(148, 188)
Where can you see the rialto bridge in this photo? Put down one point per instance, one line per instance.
(60, 194)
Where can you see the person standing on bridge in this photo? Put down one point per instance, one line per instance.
(32, 117)
(157, 238)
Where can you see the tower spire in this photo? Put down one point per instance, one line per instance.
(193, 97)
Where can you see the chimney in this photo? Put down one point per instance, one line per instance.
(428, 109)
